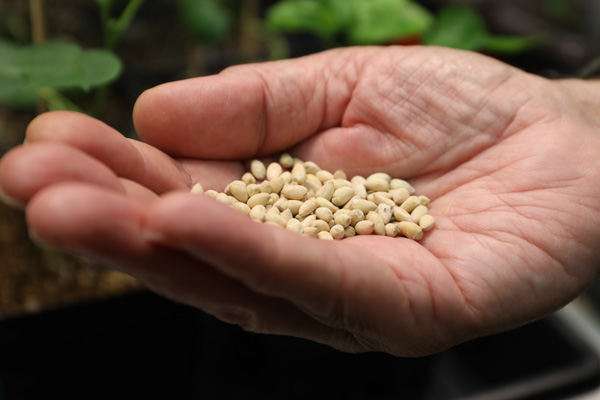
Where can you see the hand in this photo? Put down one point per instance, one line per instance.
(510, 161)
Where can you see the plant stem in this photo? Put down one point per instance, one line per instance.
(116, 28)
(38, 21)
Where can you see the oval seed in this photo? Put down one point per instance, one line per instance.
(275, 219)
(380, 175)
(252, 189)
(356, 216)
(401, 183)
(427, 222)
(258, 213)
(339, 174)
(377, 184)
(293, 206)
(411, 230)
(273, 170)
(243, 207)
(286, 160)
(308, 221)
(382, 199)
(259, 199)
(321, 225)
(418, 213)
(359, 189)
(364, 205)
(248, 178)
(410, 203)
(386, 212)
(364, 227)
(337, 232)
(294, 192)
(294, 225)
(308, 207)
(324, 213)
(211, 193)
(349, 231)
(342, 219)
(322, 202)
(378, 224)
(277, 184)
(324, 235)
(400, 214)
(310, 231)
(324, 175)
(311, 167)
(326, 191)
(342, 195)
(391, 230)
(258, 169)
(400, 195)
(298, 173)
(239, 190)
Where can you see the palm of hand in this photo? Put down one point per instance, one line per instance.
(509, 178)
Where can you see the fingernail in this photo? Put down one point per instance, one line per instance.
(9, 201)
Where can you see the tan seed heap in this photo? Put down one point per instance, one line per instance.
(299, 196)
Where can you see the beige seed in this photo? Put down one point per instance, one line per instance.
(342, 219)
(410, 203)
(400, 214)
(252, 189)
(385, 211)
(311, 232)
(197, 189)
(273, 198)
(248, 178)
(400, 195)
(294, 225)
(243, 207)
(411, 230)
(380, 175)
(424, 200)
(338, 183)
(427, 222)
(391, 230)
(378, 224)
(321, 225)
(349, 231)
(286, 176)
(311, 185)
(322, 202)
(379, 198)
(273, 210)
(277, 184)
(308, 207)
(324, 213)
(265, 187)
(280, 203)
(324, 235)
(211, 193)
(308, 221)
(286, 215)
(337, 232)
(258, 169)
(258, 213)
(298, 173)
(226, 199)
(418, 213)
(364, 205)
(294, 192)
(262, 199)
(311, 167)
(326, 191)
(360, 189)
(358, 179)
(356, 216)
(364, 227)
(275, 219)
(377, 184)
(293, 206)
(401, 183)
(273, 170)
(286, 160)
(324, 175)
(239, 190)
(339, 174)
(342, 195)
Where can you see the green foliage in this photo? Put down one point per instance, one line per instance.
(206, 21)
(462, 27)
(360, 22)
(59, 65)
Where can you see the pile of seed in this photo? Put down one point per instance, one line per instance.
(301, 197)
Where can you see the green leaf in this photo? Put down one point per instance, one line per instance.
(205, 20)
(511, 44)
(304, 16)
(459, 27)
(54, 64)
(382, 21)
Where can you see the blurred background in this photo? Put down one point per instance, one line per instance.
(97, 56)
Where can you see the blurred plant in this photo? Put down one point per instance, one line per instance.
(48, 70)
(376, 22)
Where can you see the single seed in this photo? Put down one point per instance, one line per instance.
(424, 200)
(401, 183)
(273, 210)
(286, 176)
(359, 189)
(243, 207)
(339, 174)
(311, 167)
(400, 195)
(337, 232)
(358, 179)
(364, 227)
(286, 215)
(308, 221)
(338, 183)
(311, 185)
(294, 225)
(258, 213)
(248, 178)
(410, 203)
(226, 199)
(385, 211)
(322, 202)
(258, 169)
(382, 199)
(252, 189)
(349, 231)
(321, 225)
(324, 175)
(377, 184)
(342, 195)
(326, 191)
(391, 230)
(293, 206)
(273, 197)
(275, 219)
(239, 190)
(400, 214)
(308, 207)
(311, 232)
(277, 184)
(356, 216)
(286, 160)
(211, 193)
(324, 213)
(364, 205)
(342, 219)
(280, 203)
(418, 213)
(259, 199)
(427, 222)
(378, 224)
(324, 235)
(411, 230)
(294, 192)
(380, 175)
(197, 189)
(298, 173)
(273, 170)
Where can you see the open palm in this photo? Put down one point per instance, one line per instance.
(509, 160)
